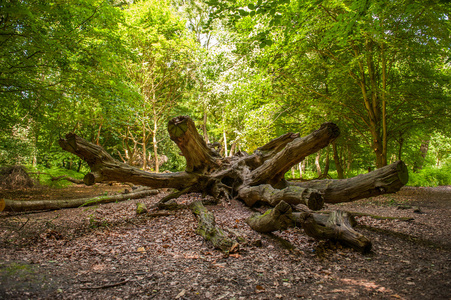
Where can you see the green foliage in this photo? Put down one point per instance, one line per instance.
(45, 175)
(246, 71)
(431, 176)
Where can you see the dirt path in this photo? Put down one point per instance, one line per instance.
(107, 252)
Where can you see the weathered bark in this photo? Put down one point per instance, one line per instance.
(65, 177)
(22, 205)
(278, 218)
(208, 230)
(272, 171)
(106, 168)
(388, 179)
(293, 195)
(250, 177)
(335, 226)
(256, 177)
(62, 177)
(197, 154)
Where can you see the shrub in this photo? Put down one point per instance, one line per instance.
(45, 175)
(431, 176)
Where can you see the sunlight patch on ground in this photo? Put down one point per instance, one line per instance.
(354, 284)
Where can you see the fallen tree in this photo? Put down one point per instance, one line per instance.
(30, 205)
(252, 178)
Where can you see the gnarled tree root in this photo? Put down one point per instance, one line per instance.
(336, 225)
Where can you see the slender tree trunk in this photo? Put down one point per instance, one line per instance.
(349, 159)
(144, 140)
(302, 168)
(384, 106)
(418, 165)
(204, 128)
(98, 135)
(225, 142)
(401, 143)
(326, 163)
(318, 166)
(155, 146)
(35, 147)
(232, 149)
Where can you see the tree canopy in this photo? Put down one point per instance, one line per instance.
(246, 71)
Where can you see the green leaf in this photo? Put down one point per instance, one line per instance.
(243, 12)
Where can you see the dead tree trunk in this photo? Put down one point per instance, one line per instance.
(23, 205)
(337, 225)
(208, 230)
(388, 179)
(257, 177)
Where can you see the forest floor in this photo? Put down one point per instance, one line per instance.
(109, 252)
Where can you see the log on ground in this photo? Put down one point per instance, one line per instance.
(208, 230)
(337, 225)
(278, 218)
(30, 205)
(292, 195)
(388, 179)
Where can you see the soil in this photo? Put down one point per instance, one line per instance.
(110, 252)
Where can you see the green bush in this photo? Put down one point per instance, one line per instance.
(44, 176)
(430, 176)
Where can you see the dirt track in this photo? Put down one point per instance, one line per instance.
(107, 251)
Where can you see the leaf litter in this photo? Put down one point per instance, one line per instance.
(108, 251)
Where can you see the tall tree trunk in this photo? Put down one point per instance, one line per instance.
(418, 165)
(378, 148)
(401, 143)
(349, 159)
(204, 128)
(302, 168)
(384, 105)
(98, 135)
(155, 146)
(225, 142)
(35, 146)
(318, 166)
(144, 141)
(232, 148)
(326, 163)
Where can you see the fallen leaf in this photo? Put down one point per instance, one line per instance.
(235, 248)
(181, 294)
